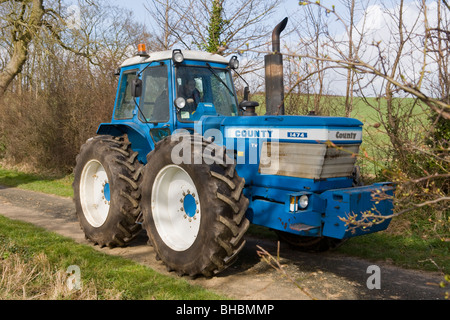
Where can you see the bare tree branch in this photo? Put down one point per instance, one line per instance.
(24, 29)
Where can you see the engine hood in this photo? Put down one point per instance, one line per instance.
(297, 129)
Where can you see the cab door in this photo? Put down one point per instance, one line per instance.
(156, 101)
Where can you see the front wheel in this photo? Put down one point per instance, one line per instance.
(194, 214)
(106, 191)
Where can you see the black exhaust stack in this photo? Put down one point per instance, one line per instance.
(274, 74)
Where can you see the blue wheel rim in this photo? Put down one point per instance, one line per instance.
(190, 207)
(107, 192)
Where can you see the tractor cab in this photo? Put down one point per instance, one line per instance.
(161, 92)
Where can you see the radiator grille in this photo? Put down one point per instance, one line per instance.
(309, 161)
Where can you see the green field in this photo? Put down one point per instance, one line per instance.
(57, 185)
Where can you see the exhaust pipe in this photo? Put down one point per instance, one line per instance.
(274, 74)
(276, 47)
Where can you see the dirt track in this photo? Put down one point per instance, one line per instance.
(328, 276)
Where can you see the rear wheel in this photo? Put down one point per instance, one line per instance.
(106, 190)
(356, 176)
(194, 214)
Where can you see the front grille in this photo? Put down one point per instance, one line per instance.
(309, 161)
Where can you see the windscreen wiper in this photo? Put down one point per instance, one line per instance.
(219, 78)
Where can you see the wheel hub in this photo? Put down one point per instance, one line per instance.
(189, 205)
(106, 191)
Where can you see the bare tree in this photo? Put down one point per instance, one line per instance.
(168, 15)
(24, 20)
(399, 68)
(66, 86)
(219, 26)
(350, 72)
(438, 44)
(395, 80)
(311, 72)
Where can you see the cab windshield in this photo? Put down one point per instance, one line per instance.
(205, 88)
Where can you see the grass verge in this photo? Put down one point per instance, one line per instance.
(60, 186)
(410, 252)
(33, 264)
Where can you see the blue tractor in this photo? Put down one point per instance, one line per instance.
(183, 159)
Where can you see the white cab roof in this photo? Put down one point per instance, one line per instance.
(164, 55)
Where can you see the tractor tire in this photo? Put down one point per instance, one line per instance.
(356, 176)
(194, 214)
(106, 191)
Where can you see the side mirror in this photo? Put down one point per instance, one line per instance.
(136, 88)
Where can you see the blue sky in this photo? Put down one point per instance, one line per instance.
(142, 14)
(137, 7)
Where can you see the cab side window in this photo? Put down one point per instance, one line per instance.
(126, 103)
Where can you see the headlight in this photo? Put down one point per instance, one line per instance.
(180, 103)
(177, 56)
(234, 63)
(303, 202)
(298, 203)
